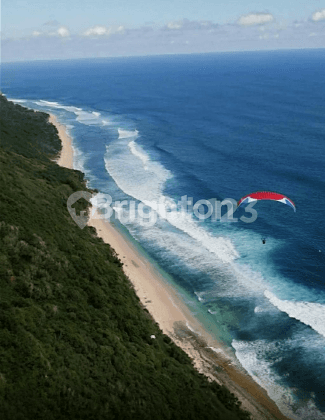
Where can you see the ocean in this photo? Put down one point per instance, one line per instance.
(210, 127)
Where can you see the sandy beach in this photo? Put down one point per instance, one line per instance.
(172, 315)
(66, 156)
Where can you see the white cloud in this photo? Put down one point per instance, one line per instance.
(63, 31)
(319, 15)
(96, 31)
(255, 19)
(190, 24)
(178, 36)
(102, 30)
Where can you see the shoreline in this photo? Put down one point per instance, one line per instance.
(66, 155)
(172, 315)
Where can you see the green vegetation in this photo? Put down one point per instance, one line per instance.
(74, 340)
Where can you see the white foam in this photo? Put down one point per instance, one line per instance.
(252, 356)
(18, 101)
(125, 134)
(48, 103)
(309, 412)
(56, 105)
(221, 246)
(258, 309)
(140, 177)
(312, 314)
(88, 118)
(199, 296)
(227, 280)
(83, 117)
(142, 156)
(79, 160)
(255, 274)
(127, 169)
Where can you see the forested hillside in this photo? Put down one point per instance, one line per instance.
(74, 339)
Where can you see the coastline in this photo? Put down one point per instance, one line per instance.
(66, 156)
(172, 315)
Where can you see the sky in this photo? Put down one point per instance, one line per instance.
(61, 29)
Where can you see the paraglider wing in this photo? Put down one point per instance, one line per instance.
(266, 195)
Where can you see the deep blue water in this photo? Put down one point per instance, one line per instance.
(215, 126)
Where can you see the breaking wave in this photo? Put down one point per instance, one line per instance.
(311, 314)
(140, 177)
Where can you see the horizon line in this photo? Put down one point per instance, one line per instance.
(163, 54)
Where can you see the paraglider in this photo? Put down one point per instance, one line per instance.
(266, 195)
